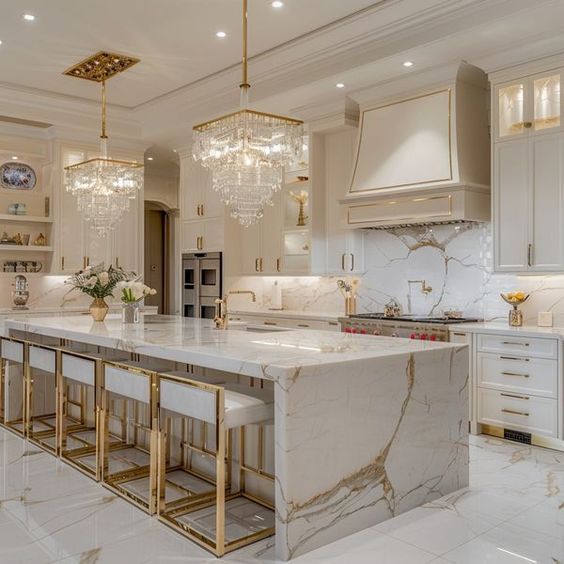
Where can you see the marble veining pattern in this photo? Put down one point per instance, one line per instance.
(510, 514)
(365, 428)
(455, 260)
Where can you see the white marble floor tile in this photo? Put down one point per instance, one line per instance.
(512, 513)
(510, 544)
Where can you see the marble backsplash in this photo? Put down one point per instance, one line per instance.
(455, 260)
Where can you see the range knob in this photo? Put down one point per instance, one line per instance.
(394, 334)
(413, 336)
(433, 338)
(363, 331)
(423, 336)
(348, 330)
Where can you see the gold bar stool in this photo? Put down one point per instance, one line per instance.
(79, 387)
(41, 396)
(226, 518)
(129, 432)
(13, 384)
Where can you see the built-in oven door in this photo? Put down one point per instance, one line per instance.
(190, 291)
(210, 277)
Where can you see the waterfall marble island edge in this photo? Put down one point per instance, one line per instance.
(365, 428)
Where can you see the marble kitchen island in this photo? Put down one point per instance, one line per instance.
(366, 427)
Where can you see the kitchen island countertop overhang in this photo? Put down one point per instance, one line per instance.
(366, 427)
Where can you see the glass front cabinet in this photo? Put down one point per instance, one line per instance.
(528, 106)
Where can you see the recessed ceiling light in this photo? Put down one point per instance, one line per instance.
(221, 34)
(29, 17)
(14, 158)
(408, 64)
(149, 158)
(340, 85)
(277, 4)
(0, 42)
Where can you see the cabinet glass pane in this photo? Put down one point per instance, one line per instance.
(296, 250)
(547, 102)
(510, 102)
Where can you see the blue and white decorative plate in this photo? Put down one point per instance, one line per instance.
(17, 176)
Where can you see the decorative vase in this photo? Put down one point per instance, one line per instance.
(130, 312)
(98, 309)
(515, 317)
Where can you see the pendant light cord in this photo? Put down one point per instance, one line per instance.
(245, 83)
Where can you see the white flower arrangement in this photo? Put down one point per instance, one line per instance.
(132, 291)
(97, 281)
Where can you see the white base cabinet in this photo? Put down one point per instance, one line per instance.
(517, 386)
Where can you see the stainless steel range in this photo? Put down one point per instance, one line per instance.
(406, 326)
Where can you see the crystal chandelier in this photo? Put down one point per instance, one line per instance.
(103, 187)
(246, 152)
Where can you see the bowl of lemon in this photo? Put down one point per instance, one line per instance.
(515, 299)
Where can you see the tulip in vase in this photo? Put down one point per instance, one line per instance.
(132, 293)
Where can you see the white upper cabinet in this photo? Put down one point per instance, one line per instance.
(528, 106)
(528, 184)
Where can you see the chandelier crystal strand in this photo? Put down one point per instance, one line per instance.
(104, 187)
(246, 152)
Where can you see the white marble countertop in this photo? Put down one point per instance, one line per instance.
(268, 355)
(291, 314)
(503, 328)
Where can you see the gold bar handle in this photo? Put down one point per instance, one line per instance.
(514, 396)
(277, 265)
(524, 413)
(202, 209)
(352, 261)
(514, 343)
(514, 358)
(117, 262)
(303, 325)
(530, 255)
(260, 263)
(516, 374)
(62, 263)
(256, 265)
(270, 323)
(343, 261)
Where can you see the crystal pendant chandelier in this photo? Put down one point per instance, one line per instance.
(103, 187)
(246, 152)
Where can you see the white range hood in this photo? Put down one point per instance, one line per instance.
(423, 154)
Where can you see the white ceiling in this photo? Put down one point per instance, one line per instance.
(175, 39)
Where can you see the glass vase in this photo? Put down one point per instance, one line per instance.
(130, 312)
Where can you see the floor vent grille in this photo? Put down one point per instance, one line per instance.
(517, 436)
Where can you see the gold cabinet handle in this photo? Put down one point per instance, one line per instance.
(260, 263)
(512, 412)
(269, 323)
(87, 261)
(83, 262)
(514, 358)
(202, 209)
(117, 262)
(343, 261)
(62, 263)
(277, 265)
(352, 262)
(256, 265)
(514, 396)
(303, 325)
(530, 255)
(527, 124)
(516, 374)
(515, 343)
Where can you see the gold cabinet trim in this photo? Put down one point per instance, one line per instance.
(400, 219)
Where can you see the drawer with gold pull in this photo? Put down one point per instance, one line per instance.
(520, 412)
(535, 376)
(518, 346)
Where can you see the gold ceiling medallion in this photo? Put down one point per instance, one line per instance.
(246, 151)
(104, 187)
(101, 66)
